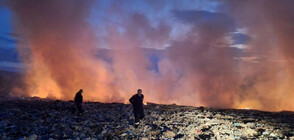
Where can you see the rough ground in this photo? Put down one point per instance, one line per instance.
(34, 118)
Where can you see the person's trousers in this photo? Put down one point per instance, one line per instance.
(79, 107)
(139, 115)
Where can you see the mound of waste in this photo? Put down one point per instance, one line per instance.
(35, 118)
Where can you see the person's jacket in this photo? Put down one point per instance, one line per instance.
(78, 98)
(137, 101)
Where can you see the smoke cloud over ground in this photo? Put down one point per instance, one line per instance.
(229, 54)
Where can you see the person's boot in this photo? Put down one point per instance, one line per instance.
(137, 123)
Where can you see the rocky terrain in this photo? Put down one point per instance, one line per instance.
(35, 118)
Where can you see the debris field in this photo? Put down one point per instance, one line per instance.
(34, 118)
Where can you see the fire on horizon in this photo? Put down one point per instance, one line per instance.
(226, 54)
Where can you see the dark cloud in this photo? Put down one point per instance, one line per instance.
(240, 38)
(218, 21)
(7, 40)
(140, 28)
(8, 54)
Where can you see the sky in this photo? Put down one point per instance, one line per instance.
(8, 43)
(103, 15)
(227, 54)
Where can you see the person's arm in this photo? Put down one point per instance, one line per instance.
(75, 99)
(81, 99)
(143, 99)
(131, 100)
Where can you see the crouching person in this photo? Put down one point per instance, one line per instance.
(137, 102)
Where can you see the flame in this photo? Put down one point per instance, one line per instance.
(43, 85)
(63, 53)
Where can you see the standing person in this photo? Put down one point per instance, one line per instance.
(79, 101)
(137, 102)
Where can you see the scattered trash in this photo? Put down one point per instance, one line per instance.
(35, 118)
(169, 134)
(265, 133)
(33, 137)
(198, 131)
(128, 132)
(179, 136)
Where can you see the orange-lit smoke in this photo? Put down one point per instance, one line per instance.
(61, 51)
(268, 84)
(63, 55)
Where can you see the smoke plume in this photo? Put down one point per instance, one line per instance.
(238, 56)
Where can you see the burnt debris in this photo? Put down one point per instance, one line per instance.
(35, 118)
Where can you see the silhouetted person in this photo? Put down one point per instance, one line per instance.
(137, 102)
(79, 101)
